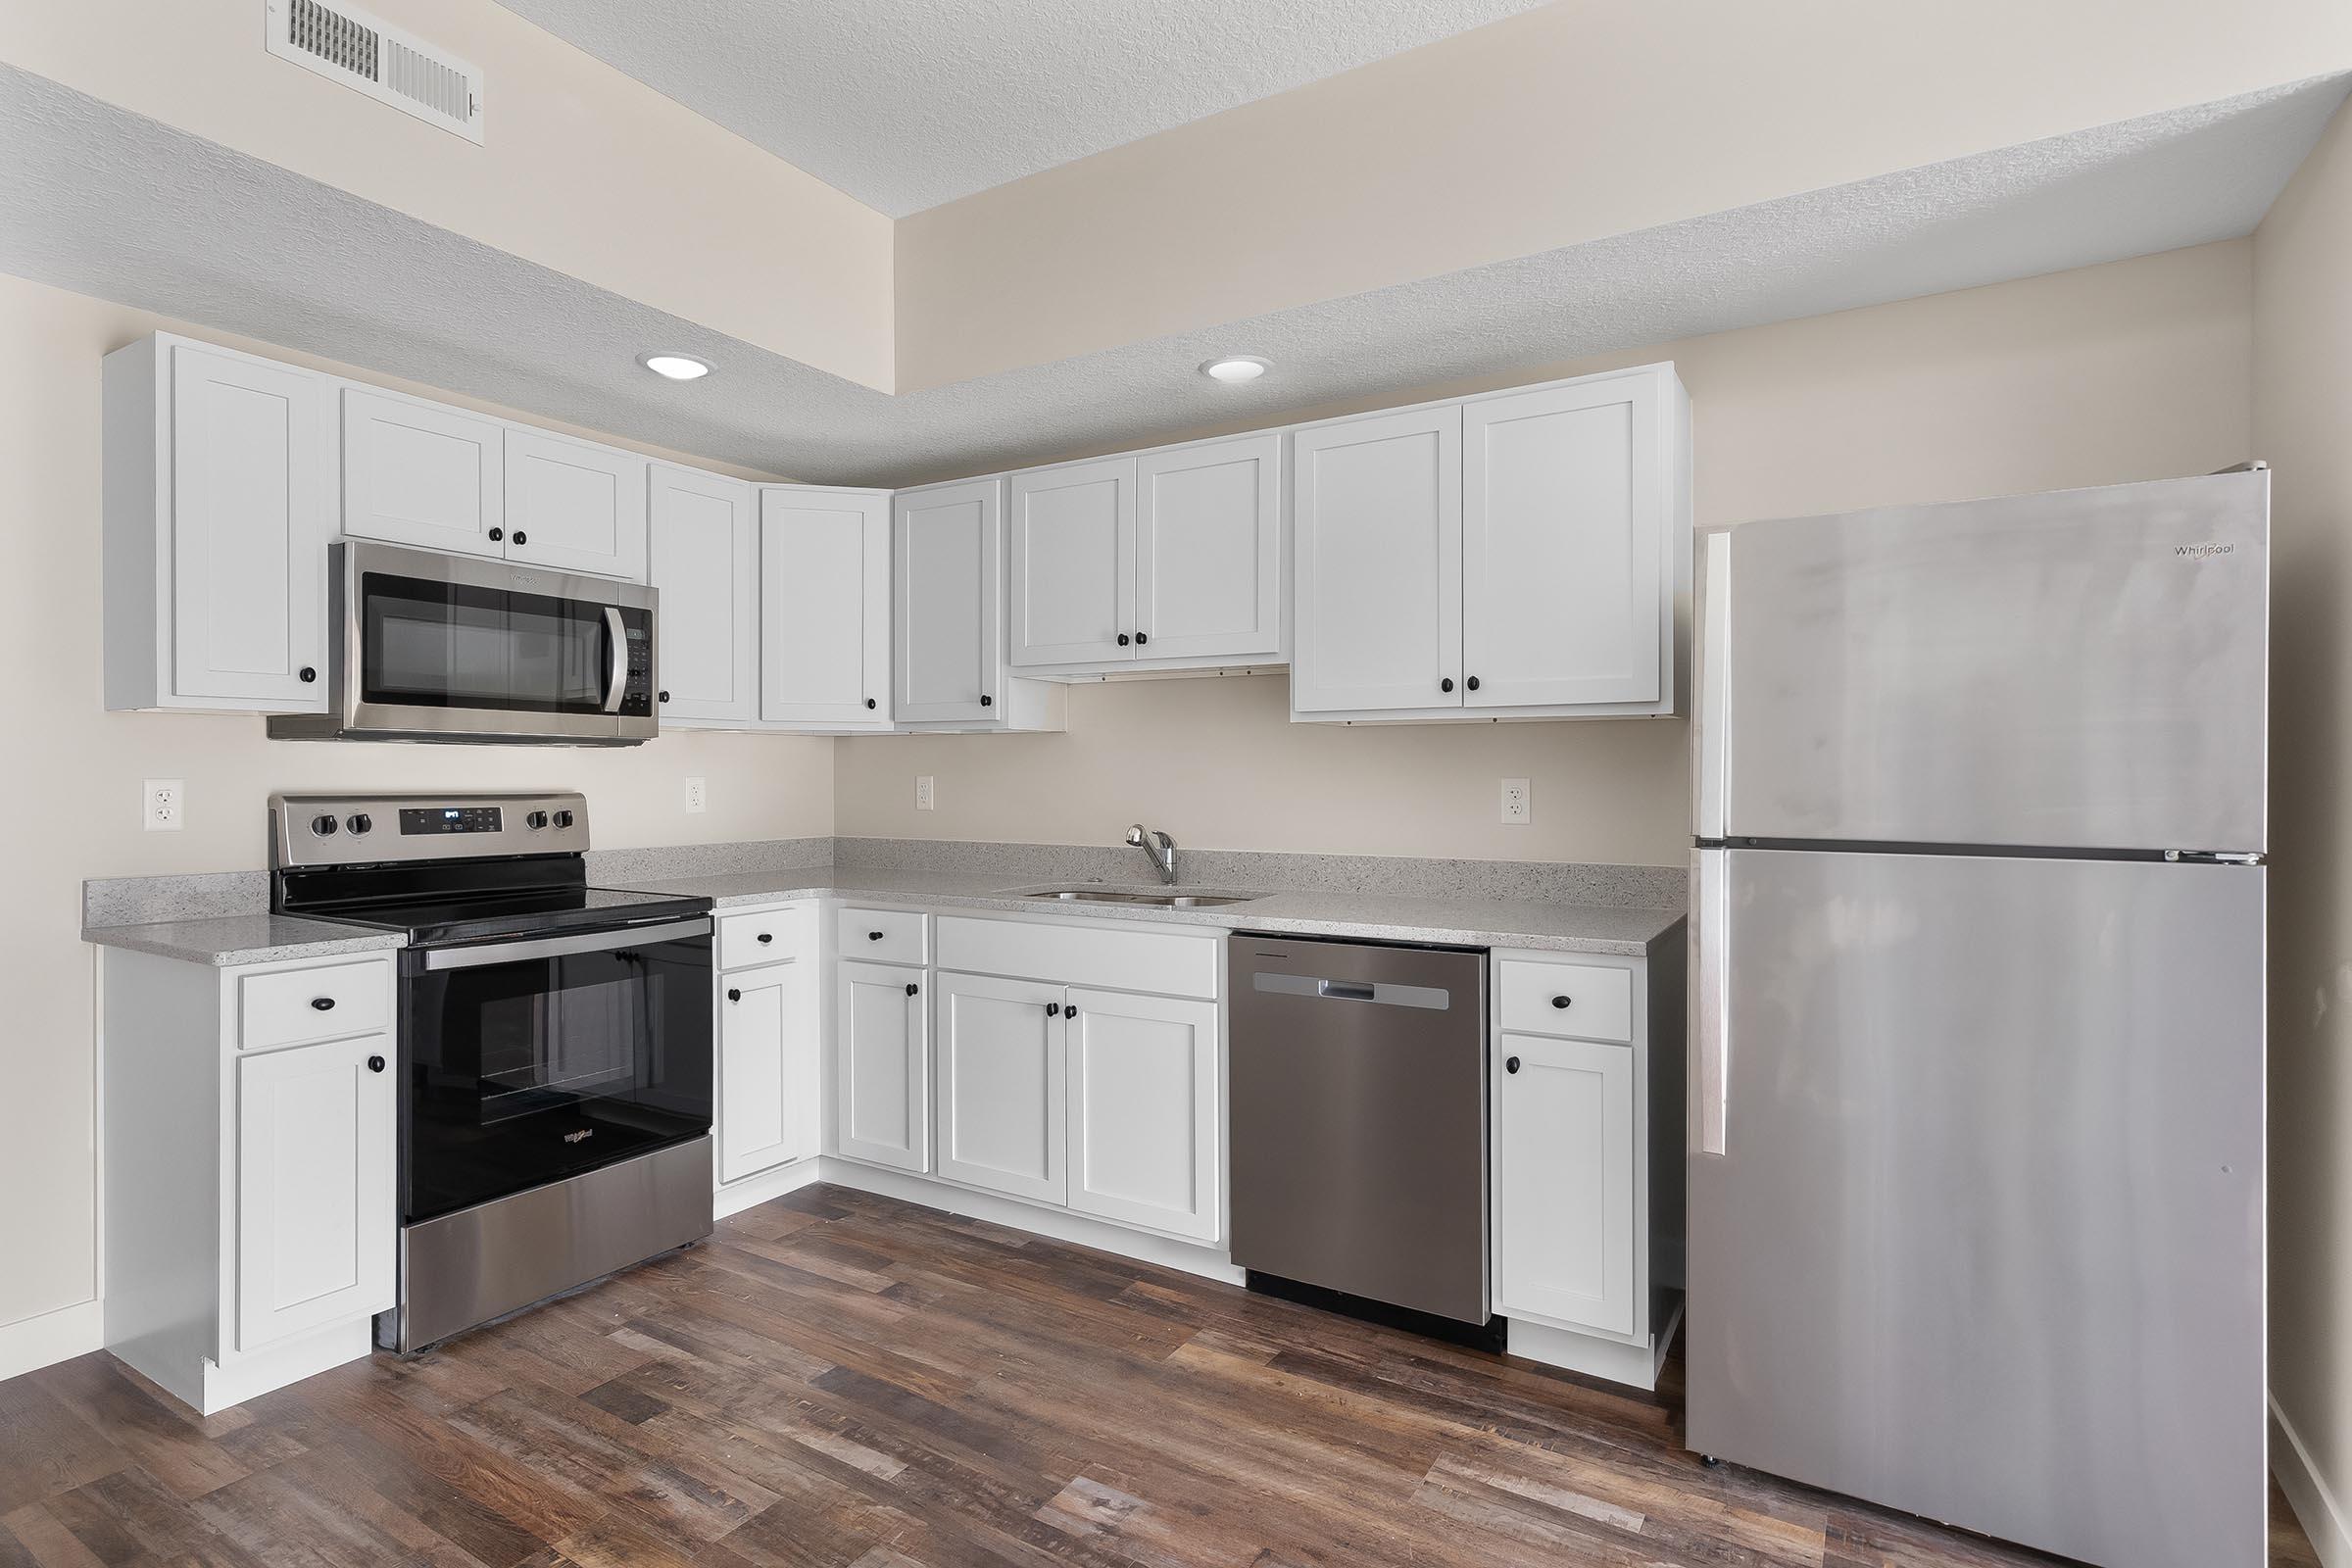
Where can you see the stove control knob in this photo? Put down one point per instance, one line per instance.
(361, 822)
(324, 824)
(535, 821)
(562, 819)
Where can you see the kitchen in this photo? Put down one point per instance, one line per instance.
(2155, 366)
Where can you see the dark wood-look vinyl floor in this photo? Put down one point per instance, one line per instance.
(842, 1381)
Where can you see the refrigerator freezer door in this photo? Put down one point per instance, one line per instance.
(2085, 670)
(1985, 1242)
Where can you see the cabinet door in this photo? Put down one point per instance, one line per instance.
(882, 1065)
(1144, 1110)
(766, 1068)
(250, 519)
(575, 507)
(418, 474)
(700, 535)
(947, 567)
(824, 607)
(1070, 574)
(1378, 616)
(1002, 1106)
(1208, 551)
(1564, 1181)
(1566, 499)
(314, 1226)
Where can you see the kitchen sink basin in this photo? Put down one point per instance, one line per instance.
(1152, 901)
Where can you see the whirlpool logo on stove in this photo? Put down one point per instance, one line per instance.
(2206, 551)
(583, 1133)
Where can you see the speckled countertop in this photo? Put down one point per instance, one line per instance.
(233, 939)
(1463, 921)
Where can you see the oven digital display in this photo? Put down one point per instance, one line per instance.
(451, 820)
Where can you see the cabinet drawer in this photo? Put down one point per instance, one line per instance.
(766, 937)
(1584, 1001)
(285, 1006)
(884, 936)
(1082, 954)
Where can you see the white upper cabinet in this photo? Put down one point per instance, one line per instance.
(219, 503)
(701, 536)
(1209, 552)
(1379, 545)
(1566, 506)
(424, 475)
(947, 545)
(1072, 591)
(824, 607)
(1514, 556)
(574, 506)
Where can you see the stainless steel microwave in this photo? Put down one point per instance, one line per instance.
(430, 647)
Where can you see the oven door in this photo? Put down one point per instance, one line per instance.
(451, 647)
(524, 1062)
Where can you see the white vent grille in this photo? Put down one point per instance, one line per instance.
(349, 45)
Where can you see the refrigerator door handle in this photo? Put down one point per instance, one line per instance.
(1710, 1029)
(1709, 739)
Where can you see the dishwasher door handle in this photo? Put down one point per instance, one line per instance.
(1349, 990)
(1380, 993)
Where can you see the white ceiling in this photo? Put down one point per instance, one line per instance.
(909, 103)
(106, 202)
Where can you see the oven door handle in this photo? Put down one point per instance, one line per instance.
(617, 657)
(562, 946)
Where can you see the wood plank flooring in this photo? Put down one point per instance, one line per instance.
(843, 1380)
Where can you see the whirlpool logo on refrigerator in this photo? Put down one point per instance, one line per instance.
(2206, 551)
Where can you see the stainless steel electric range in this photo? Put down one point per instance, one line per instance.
(555, 1043)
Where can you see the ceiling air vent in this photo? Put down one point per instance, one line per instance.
(349, 45)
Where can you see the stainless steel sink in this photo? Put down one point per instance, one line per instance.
(1154, 901)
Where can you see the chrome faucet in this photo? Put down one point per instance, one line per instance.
(1159, 846)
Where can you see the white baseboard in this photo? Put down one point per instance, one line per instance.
(752, 1191)
(1613, 1360)
(2307, 1492)
(32, 1342)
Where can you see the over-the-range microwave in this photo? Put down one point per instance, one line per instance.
(431, 647)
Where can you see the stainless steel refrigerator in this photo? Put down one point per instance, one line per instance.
(1975, 1182)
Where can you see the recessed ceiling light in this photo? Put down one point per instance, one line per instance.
(1234, 368)
(676, 367)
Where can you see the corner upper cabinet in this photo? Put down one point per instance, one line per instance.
(574, 506)
(947, 570)
(422, 473)
(219, 503)
(824, 607)
(1519, 556)
(701, 537)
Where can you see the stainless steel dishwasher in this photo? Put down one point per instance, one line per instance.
(1359, 1124)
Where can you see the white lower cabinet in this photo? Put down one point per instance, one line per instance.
(1142, 1110)
(882, 1065)
(1563, 1122)
(1004, 1086)
(768, 1067)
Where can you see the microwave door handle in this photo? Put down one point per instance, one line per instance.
(617, 657)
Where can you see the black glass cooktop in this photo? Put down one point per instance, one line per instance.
(527, 912)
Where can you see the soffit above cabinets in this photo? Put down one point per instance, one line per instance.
(916, 103)
(102, 202)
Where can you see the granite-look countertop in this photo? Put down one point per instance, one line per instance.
(233, 939)
(1470, 922)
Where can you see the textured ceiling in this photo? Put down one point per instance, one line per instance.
(106, 203)
(911, 103)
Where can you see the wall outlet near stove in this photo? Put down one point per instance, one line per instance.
(166, 803)
(698, 794)
(1516, 801)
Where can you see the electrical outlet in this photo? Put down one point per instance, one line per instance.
(165, 806)
(697, 797)
(923, 793)
(1516, 801)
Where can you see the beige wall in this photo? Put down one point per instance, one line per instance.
(2134, 370)
(70, 775)
(583, 169)
(2303, 423)
(1575, 120)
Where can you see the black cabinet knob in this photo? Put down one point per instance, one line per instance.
(496, 534)
(1472, 683)
(870, 703)
(874, 936)
(1511, 1064)
(1122, 639)
(324, 1004)
(375, 1064)
(664, 696)
(734, 995)
(1053, 1010)
(309, 673)
(912, 987)
(1559, 1002)
(1447, 684)
(768, 936)
(987, 701)
(521, 538)
(1070, 1014)
(1142, 637)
